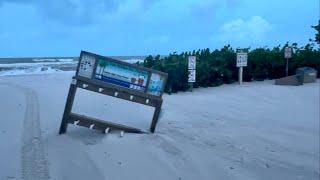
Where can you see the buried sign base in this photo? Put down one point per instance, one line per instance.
(103, 126)
(148, 93)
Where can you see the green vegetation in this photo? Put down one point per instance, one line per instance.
(217, 67)
(317, 28)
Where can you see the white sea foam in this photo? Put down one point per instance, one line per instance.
(44, 60)
(44, 66)
(132, 61)
(20, 65)
(53, 60)
(30, 71)
(15, 69)
(65, 60)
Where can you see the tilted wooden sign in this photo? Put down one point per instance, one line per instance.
(115, 78)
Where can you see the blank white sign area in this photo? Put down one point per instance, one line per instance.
(112, 109)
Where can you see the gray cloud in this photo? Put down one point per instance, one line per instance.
(71, 12)
(16, 1)
(148, 3)
(254, 29)
(208, 8)
(77, 12)
(233, 3)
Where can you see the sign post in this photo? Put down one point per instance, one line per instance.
(115, 78)
(242, 59)
(287, 55)
(192, 71)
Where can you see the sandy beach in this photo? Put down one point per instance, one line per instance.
(255, 131)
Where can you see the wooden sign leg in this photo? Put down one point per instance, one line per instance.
(67, 109)
(156, 116)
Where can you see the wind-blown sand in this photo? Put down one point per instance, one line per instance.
(254, 131)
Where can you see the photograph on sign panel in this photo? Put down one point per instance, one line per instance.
(159, 89)
(121, 75)
(156, 84)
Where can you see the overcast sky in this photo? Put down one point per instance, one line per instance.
(142, 27)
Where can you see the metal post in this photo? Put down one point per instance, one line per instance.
(287, 67)
(240, 75)
(190, 86)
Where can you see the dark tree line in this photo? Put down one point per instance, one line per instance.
(219, 66)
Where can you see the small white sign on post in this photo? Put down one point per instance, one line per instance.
(192, 70)
(192, 76)
(288, 52)
(242, 59)
(287, 55)
(191, 62)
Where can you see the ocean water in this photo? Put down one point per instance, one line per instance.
(47, 65)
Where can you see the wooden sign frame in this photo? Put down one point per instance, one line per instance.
(92, 84)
